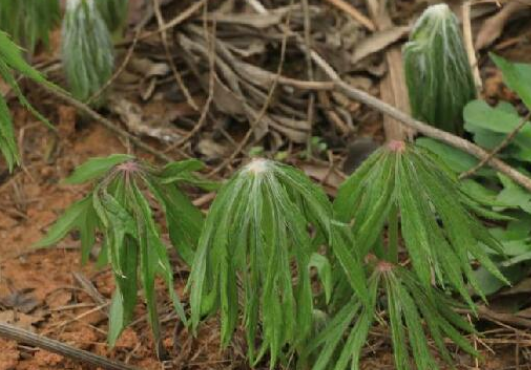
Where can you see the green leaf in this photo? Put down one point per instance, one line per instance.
(457, 160)
(257, 228)
(29, 22)
(95, 168)
(67, 222)
(324, 269)
(514, 195)
(517, 76)
(87, 51)
(8, 143)
(114, 12)
(438, 75)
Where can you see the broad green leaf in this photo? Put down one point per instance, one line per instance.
(514, 195)
(457, 160)
(517, 76)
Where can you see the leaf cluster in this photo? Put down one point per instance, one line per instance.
(438, 75)
(437, 221)
(87, 50)
(29, 22)
(489, 126)
(415, 313)
(257, 235)
(119, 208)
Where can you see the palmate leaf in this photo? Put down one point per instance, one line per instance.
(87, 50)
(437, 219)
(256, 230)
(118, 208)
(438, 75)
(29, 21)
(414, 313)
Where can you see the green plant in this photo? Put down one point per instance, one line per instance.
(12, 61)
(119, 208)
(438, 75)
(114, 12)
(29, 21)
(407, 189)
(257, 232)
(489, 126)
(409, 305)
(87, 49)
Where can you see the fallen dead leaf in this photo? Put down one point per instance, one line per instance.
(493, 27)
(377, 42)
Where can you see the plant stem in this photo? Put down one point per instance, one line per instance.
(392, 252)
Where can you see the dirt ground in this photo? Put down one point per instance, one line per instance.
(41, 290)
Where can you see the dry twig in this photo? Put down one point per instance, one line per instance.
(175, 71)
(354, 13)
(108, 124)
(498, 148)
(26, 337)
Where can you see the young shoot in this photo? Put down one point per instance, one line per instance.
(438, 74)
(259, 233)
(114, 12)
(415, 313)
(29, 22)
(408, 189)
(119, 208)
(87, 50)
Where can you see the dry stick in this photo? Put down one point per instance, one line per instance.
(164, 38)
(433, 132)
(24, 336)
(310, 76)
(354, 13)
(497, 149)
(211, 83)
(180, 18)
(469, 46)
(107, 123)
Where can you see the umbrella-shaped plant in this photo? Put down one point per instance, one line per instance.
(119, 208)
(255, 252)
(406, 189)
